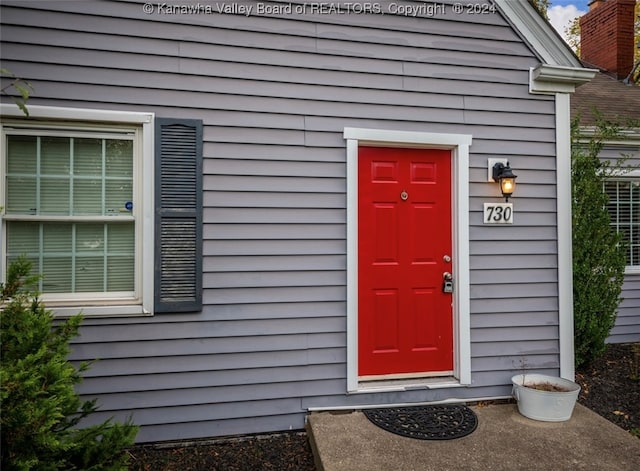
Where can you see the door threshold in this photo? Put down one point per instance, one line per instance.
(408, 384)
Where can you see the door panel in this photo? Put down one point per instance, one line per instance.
(404, 231)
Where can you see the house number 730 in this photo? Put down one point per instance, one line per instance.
(498, 213)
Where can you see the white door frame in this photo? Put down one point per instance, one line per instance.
(459, 146)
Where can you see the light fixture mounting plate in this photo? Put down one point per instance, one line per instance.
(491, 162)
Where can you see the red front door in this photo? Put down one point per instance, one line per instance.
(405, 322)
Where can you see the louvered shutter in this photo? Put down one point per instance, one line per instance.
(178, 224)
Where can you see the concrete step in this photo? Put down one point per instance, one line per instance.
(504, 440)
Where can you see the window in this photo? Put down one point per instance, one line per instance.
(70, 209)
(624, 209)
(107, 205)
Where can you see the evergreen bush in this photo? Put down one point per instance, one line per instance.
(599, 252)
(41, 411)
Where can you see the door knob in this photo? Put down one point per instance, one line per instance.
(404, 195)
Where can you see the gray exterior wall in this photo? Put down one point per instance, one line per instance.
(627, 327)
(275, 94)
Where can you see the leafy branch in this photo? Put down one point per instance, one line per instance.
(19, 85)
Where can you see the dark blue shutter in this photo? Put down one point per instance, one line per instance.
(178, 217)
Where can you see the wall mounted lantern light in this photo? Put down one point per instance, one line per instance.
(503, 174)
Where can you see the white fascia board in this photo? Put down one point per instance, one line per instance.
(75, 114)
(552, 79)
(538, 33)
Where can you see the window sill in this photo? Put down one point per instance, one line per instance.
(134, 310)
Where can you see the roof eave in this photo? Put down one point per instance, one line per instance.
(558, 79)
(538, 33)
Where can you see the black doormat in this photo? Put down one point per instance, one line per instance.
(439, 422)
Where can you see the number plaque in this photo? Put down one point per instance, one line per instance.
(498, 213)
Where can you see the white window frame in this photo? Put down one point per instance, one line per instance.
(73, 120)
(634, 176)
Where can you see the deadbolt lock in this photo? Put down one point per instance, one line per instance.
(447, 284)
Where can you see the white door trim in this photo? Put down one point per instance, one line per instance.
(459, 146)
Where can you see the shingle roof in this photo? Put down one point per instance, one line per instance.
(616, 101)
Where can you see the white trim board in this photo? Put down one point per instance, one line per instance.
(459, 145)
(565, 253)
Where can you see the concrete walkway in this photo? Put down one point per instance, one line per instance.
(504, 440)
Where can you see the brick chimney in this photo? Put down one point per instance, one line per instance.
(606, 36)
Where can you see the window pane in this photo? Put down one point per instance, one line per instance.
(56, 274)
(90, 238)
(21, 195)
(22, 154)
(87, 157)
(54, 196)
(89, 273)
(55, 155)
(120, 259)
(119, 156)
(57, 239)
(23, 238)
(120, 273)
(118, 193)
(87, 197)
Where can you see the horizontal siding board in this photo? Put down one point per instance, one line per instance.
(201, 412)
(217, 428)
(633, 337)
(507, 277)
(230, 396)
(488, 378)
(507, 263)
(275, 232)
(275, 184)
(218, 362)
(528, 304)
(275, 168)
(250, 199)
(266, 279)
(273, 215)
(517, 232)
(290, 294)
(514, 364)
(509, 334)
(274, 247)
(518, 347)
(624, 321)
(203, 382)
(209, 330)
(187, 347)
(516, 290)
(514, 319)
(283, 262)
(514, 248)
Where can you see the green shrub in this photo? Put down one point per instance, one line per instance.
(41, 410)
(599, 253)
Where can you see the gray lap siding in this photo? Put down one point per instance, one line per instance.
(275, 95)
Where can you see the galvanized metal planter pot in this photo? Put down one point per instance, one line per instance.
(548, 406)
